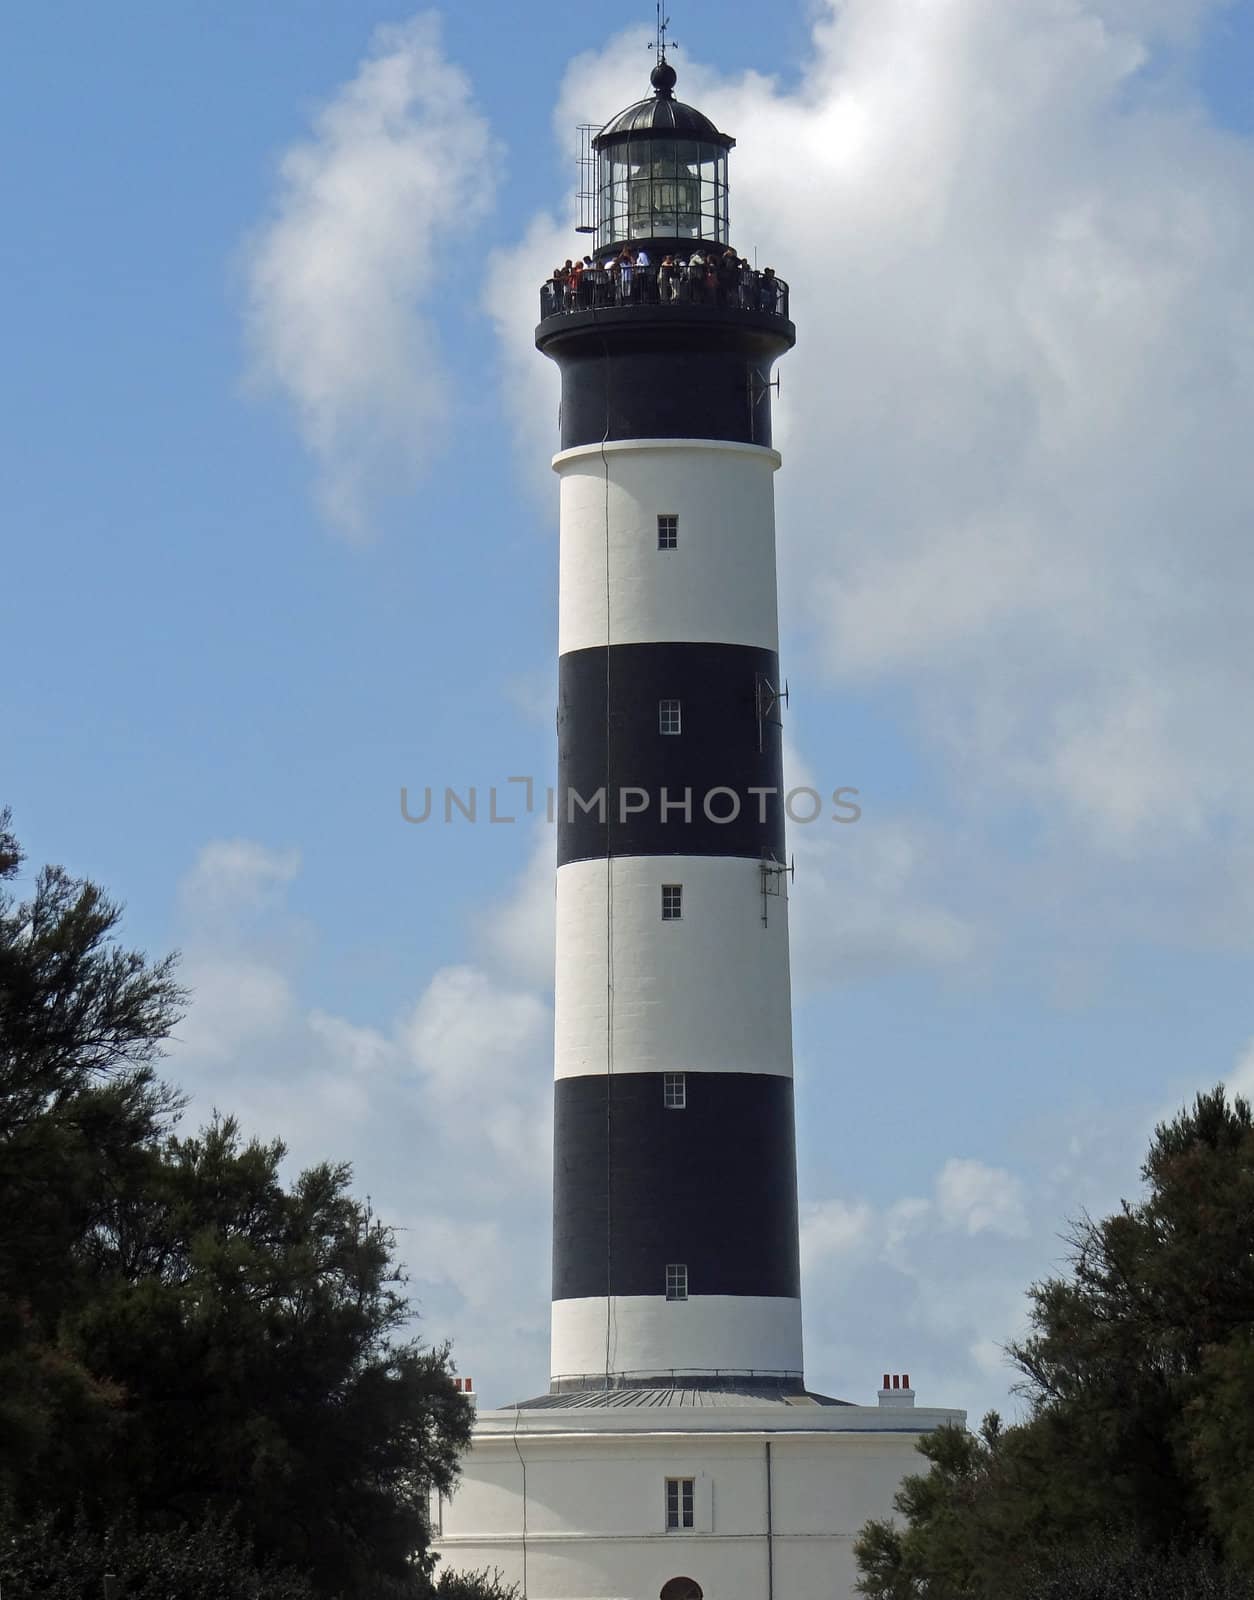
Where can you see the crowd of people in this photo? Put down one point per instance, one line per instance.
(715, 276)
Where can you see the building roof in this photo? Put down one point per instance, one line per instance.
(663, 116)
(748, 1397)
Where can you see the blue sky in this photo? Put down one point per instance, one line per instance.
(1015, 593)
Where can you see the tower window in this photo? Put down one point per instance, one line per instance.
(667, 531)
(676, 1280)
(680, 1503)
(674, 1091)
(669, 716)
(672, 902)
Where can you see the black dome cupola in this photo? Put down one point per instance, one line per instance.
(661, 173)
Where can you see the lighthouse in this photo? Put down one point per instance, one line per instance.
(676, 1452)
(675, 1250)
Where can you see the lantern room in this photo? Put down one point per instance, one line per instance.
(661, 173)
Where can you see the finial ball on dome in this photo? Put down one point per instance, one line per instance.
(663, 78)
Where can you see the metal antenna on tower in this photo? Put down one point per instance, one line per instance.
(658, 44)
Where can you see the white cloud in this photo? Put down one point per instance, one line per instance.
(234, 1002)
(529, 384)
(518, 935)
(834, 1229)
(1016, 488)
(360, 1052)
(978, 1199)
(935, 1283)
(934, 1280)
(1241, 1079)
(1016, 483)
(483, 1051)
(233, 877)
(461, 1027)
(865, 901)
(865, 896)
(1020, 364)
(240, 995)
(930, 1285)
(446, 1114)
(534, 694)
(477, 1257)
(491, 1275)
(344, 277)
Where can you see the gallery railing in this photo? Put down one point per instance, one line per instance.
(679, 1378)
(599, 288)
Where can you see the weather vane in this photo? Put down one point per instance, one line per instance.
(659, 38)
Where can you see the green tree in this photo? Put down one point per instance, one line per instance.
(45, 1559)
(1123, 1351)
(82, 1022)
(254, 1330)
(965, 1523)
(1116, 1570)
(187, 1341)
(1221, 1443)
(53, 1559)
(1139, 1369)
(474, 1586)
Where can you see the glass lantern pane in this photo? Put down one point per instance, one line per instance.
(663, 189)
(665, 158)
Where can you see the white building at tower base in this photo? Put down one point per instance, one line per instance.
(566, 1495)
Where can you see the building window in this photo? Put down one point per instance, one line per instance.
(672, 902)
(674, 1091)
(680, 1503)
(676, 1280)
(668, 716)
(667, 531)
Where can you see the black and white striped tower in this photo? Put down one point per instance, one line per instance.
(675, 1249)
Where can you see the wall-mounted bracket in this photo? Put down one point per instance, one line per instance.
(768, 700)
(773, 874)
(757, 388)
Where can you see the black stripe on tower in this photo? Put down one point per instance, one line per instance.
(713, 1186)
(729, 739)
(665, 372)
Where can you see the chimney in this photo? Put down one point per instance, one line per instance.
(896, 1393)
(466, 1386)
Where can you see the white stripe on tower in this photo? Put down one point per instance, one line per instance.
(706, 993)
(716, 586)
(704, 1334)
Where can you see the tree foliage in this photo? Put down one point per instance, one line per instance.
(189, 1344)
(483, 1585)
(1139, 1370)
(1115, 1570)
(45, 1560)
(81, 1111)
(254, 1332)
